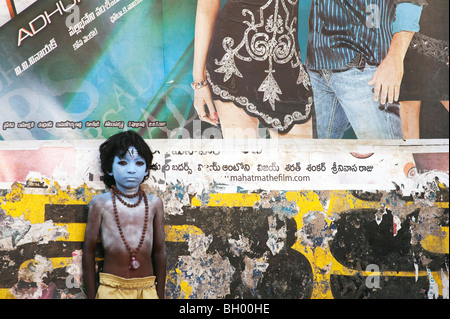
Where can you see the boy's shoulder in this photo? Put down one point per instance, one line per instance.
(100, 199)
(154, 199)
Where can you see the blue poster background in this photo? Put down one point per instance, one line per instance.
(136, 68)
(113, 73)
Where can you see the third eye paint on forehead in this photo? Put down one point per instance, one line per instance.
(132, 152)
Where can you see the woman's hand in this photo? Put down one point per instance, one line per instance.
(204, 106)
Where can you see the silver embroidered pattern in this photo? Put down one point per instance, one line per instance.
(434, 48)
(270, 39)
(278, 124)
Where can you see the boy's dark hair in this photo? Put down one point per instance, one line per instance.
(119, 144)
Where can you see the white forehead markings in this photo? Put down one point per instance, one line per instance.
(132, 152)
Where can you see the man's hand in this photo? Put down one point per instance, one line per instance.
(388, 78)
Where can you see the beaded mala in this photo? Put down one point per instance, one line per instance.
(115, 192)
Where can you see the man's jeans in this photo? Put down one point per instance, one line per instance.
(344, 97)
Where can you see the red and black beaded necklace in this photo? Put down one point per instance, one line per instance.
(115, 192)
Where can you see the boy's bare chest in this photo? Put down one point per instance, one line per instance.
(131, 221)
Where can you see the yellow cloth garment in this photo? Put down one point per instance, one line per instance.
(114, 287)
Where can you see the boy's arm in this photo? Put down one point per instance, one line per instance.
(159, 249)
(90, 243)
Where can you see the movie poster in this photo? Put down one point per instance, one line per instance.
(266, 208)
(109, 70)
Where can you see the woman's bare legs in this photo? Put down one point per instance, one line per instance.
(298, 131)
(410, 114)
(237, 124)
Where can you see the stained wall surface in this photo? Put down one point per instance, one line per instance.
(248, 243)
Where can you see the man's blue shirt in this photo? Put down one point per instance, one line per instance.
(339, 30)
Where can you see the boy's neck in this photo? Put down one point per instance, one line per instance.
(128, 191)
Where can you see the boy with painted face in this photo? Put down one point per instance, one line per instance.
(131, 224)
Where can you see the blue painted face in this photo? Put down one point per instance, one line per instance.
(129, 171)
